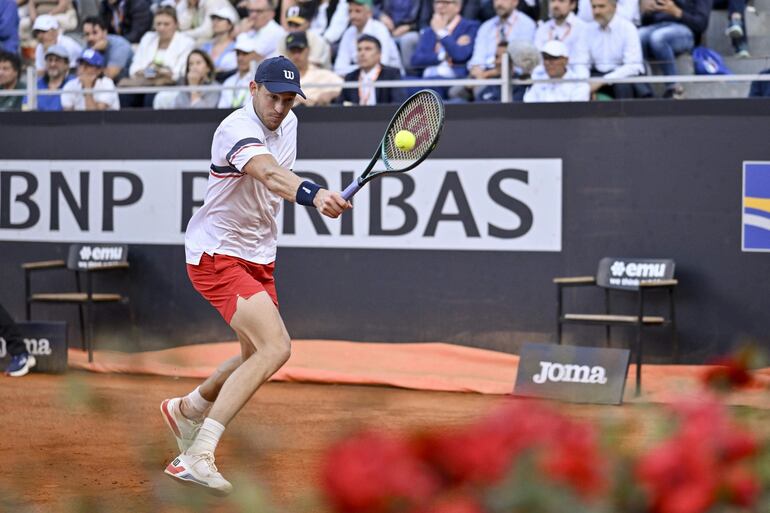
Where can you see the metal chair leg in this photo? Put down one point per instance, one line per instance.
(558, 314)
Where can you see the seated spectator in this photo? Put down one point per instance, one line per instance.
(128, 18)
(370, 70)
(555, 59)
(565, 26)
(736, 29)
(760, 89)
(477, 10)
(298, 20)
(57, 68)
(91, 66)
(401, 19)
(160, 59)
(446, 46)
(115, 49)
(200, 71)
(483, 10)
(298, 47)
(10, 67)
(195, 17)
(509, 25)
(261, 27)
(9, 26)
(46, 31)
(246, 58)
(329, 18)
(221, 48)
(361, 22)
(628, 9)
(615, 51)
(62, 11)
(524, 57)
(669, 28)
(162, 54)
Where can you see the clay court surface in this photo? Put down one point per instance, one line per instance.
(88, 442)
(100, 436)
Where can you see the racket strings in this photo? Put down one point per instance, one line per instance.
(423, 117)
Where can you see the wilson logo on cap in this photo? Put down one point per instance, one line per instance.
(288, 74)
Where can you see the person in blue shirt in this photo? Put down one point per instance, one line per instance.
(9, 26)
(446, 46)
(57, 64)
(115, 49)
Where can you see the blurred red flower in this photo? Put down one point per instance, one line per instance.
(727, 374)
(373, 472)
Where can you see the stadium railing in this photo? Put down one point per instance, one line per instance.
(506, 82)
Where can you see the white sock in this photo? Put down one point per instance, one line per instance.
(194, 406)
(208, 437)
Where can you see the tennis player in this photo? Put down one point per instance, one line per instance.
(230, 248)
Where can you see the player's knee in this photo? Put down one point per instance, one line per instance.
(282, 350)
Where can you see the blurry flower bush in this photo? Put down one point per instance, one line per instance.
(530, 458)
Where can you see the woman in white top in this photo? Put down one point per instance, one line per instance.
(162, 54)
(161, 58)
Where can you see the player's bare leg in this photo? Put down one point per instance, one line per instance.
(184, 415)
(266, 346)
(257, 322)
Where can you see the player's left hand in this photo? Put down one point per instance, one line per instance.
(330, 203)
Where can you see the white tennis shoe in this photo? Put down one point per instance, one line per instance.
(199, 469)
(183, 429)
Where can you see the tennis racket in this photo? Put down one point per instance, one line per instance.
(422, 115)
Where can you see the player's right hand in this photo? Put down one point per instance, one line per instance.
(331, 203)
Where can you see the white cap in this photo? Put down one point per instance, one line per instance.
(555, 48)
(244, 43)
(45, 22)
(226, 14)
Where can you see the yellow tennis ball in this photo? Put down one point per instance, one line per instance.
(405, 140)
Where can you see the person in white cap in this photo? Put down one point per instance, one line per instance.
(195, 17)
(57, 67)
(221, 46)
(555, 66)
(247, 63)
(61, 10)
(47, 32)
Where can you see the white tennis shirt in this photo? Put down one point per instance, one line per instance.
(238, 216)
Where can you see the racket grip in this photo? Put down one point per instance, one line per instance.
(351, 190)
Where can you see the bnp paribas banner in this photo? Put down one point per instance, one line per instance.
(457, 204)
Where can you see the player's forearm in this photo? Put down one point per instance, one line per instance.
(276, 178)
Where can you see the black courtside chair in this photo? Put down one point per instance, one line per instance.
(83, 262)
(640, 277)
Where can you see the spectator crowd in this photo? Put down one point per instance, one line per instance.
(107, 45)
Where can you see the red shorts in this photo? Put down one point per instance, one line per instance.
(222, 279)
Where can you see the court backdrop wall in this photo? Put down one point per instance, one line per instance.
(461, 250)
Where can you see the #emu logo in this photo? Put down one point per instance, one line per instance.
(557, 372)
